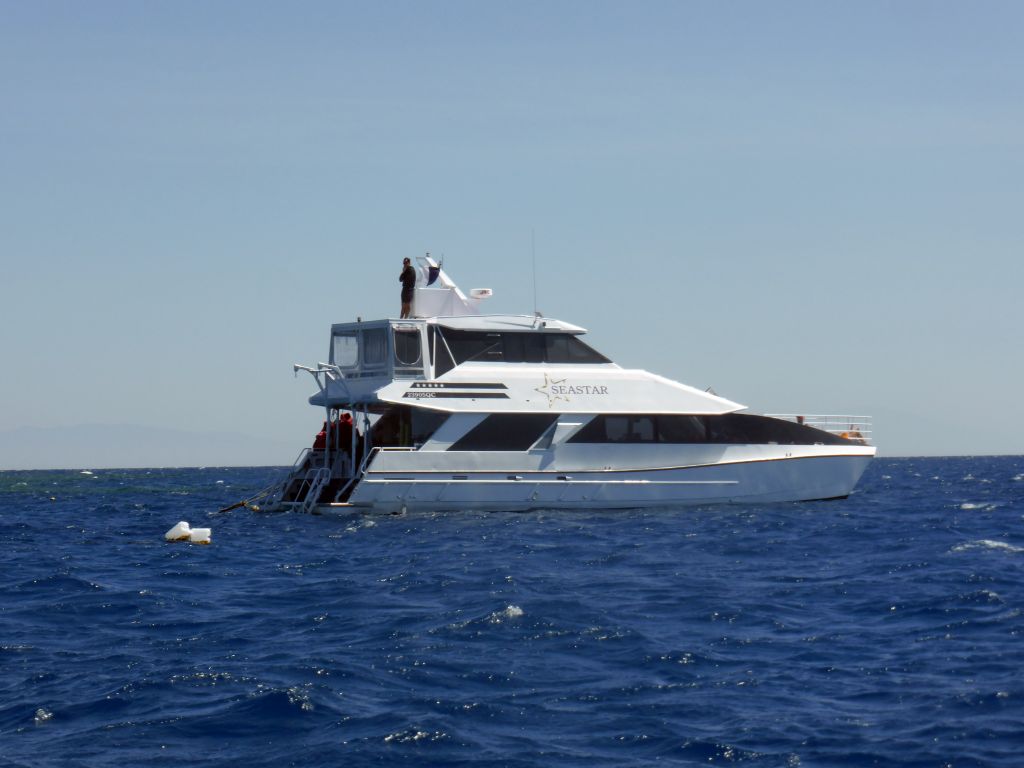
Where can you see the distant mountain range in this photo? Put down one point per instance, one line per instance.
(90, 446)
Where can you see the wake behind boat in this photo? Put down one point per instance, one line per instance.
(452, 408)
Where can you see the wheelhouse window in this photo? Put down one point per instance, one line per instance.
(473, 346)
(518, 347)
(407, 347)
(408, 352)
(345, 349)
(375, 347)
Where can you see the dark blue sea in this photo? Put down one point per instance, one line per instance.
(882, 630)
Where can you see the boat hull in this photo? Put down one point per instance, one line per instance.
(401, 481)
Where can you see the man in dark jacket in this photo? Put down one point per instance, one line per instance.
(408, 280)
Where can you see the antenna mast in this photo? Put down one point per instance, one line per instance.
(533, 254)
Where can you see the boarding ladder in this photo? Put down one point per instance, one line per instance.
(316, 479)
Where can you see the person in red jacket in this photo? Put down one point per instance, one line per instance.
(320, 441)
(343, 431)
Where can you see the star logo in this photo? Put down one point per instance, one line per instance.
(551, 390)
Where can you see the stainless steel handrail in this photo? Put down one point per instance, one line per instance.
(856, 427)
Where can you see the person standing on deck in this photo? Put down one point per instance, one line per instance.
(408, 280)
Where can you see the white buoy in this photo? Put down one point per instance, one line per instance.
(199, 536)
(180, 532)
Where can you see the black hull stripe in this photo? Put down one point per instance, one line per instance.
(457, 385)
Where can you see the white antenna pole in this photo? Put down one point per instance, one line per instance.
(533, 253)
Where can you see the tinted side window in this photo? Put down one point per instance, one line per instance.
(591, 432)
(474, 346)
(519, 347)
(733, 428)
(682, 429)
(505, 432)
(617, 429)
(579, 352)
(523, 347)
(729, 428)
(641, 429)
(439, 353)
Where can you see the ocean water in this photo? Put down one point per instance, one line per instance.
(883, 630)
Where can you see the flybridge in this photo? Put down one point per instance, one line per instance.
(415, 349)
(447, 330)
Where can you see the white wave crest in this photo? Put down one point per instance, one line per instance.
(410, 735)
(1000, 546)
(511, 612)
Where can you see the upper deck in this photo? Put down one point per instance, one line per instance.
(427, 348)
(469, 362)
(446, 330)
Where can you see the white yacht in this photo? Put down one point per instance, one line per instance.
(456, 409)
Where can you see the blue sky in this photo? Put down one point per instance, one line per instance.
(810, 207)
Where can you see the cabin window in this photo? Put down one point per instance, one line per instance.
(505, 432)
(407, 348)
(577, 351)
(682, 429)
(474, 346)
(345, 349)
(617, 429)
(523, 348)
(375, 345)
(641, 429)
(724, 429)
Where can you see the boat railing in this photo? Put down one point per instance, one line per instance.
(301, 460)
(372, 453)
(849, 427)
(359, 473)
(367, 459)
(333, 373)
